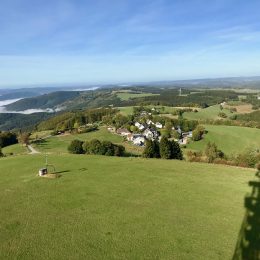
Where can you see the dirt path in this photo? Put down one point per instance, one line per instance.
(32, 150)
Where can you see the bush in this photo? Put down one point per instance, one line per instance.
(222, 115)
(103, 148)
(75, 147)
(249, 158)
(170, 149)
(194, 156)
(198, 133)
(212, 152)
(1, 154)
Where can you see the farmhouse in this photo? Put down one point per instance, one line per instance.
(187, 134)
(139, 140)
(130, 137)
(123, 132)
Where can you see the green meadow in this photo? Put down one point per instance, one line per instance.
(60, 143)
(15, 149)
(119, 208)
(230, 139)
(207, 113)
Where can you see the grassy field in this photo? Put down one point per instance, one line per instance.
(15, 149)
(126, 110)
(128, 95)
(118, 208)
(206, 113)
(230, 139)
(59, 144)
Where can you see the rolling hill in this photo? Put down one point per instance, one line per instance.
(230, 139)
(117, 208)
(51, 100)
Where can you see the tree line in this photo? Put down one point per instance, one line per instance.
(97, 147)
(67, 120)
(165, 149)
(7, 138)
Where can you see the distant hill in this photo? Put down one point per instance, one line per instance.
(51, 100)
(21, 94)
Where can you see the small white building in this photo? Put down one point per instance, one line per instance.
(139, 141)
(139, 126)
(158, 125)
(149, 122)
(150, 133)
(187, 134)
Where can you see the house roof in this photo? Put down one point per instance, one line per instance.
(122, 130)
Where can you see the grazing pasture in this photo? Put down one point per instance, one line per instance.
(207, 113)
(60, 143)
(119, 208)
(230, 139)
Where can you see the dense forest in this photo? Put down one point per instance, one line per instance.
(50, 100)
(67, 120)
(10, 121)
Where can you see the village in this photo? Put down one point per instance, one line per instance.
(147, 129)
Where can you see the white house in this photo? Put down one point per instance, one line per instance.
(149, 122)
(158, 125)
(150, 133)
(187, 134)
(139, 140)
(139, 126)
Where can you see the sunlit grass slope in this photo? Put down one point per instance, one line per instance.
(119, 208)
(230, 139)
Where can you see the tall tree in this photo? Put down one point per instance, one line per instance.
(165, 148)
(176, 151)
(148, 150)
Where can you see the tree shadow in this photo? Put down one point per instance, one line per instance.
(39, 141)
(248, 244)
(129, 154)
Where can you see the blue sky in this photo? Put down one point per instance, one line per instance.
(105, 41)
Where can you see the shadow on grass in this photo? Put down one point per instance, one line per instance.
(39, 141)
(248, 244)
(128, 154)
(63, 171)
